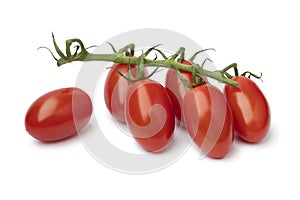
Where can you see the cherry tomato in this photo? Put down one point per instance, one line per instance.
(177, 90)
(150, 115)
(115, 90)
(58, 114)
(250, 109)
(209, 120)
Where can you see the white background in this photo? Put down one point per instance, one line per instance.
(262, 36)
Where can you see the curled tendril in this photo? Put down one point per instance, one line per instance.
(236, 73)
(60, 53)
(151, 49)
(77, 47)
(112, 47)
(198, 52)
(200, 69)
(69, 57)
(161, 53)
(93, 46)
(252, 74)
(49, 51)
(180, 53)
(126, 48)
(234, 66)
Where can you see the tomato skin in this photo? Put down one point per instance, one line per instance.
(209, 120)
(150, 115)
(115, 89)
(250, 109)
(177, 90)
(58, 114)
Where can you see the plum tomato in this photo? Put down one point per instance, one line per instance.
(115, 89)
(209, 120)
(251, 111)
(177, 90)
(149, 115)
(58, 114)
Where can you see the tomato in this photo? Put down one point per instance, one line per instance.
(115, 89)
(250, 109)
(150, 115)
(58, 114)
(209, 120)
(177, 90)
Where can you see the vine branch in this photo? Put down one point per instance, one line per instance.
(119, 57)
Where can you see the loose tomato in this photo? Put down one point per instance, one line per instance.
(115, 90)
(58, 114)
(209, 120)
(150, 115)
(177, 90)
(250, 109)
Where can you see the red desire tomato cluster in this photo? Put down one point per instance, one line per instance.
(209, 115)
(149, 109)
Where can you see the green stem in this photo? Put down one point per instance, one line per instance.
(119, 57)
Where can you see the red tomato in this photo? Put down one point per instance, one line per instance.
(58, 114)
(115, 90)
(250, 109)
(150, 115)
(209, 120)
(177, 90)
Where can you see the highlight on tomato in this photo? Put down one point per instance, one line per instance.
(58, 114)
(149, 115)
(209, 120)
(251, 111)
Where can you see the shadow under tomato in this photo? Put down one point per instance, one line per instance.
(181, 139)
(238, 143)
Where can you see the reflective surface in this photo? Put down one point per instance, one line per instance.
(149, 115)
(250, 109)
(58, 114)
(209, 120)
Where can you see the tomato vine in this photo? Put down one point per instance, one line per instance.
(125, 56)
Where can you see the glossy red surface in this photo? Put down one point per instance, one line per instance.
(149, 115)
(209, 120)
(58, 114)
(250, 109)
